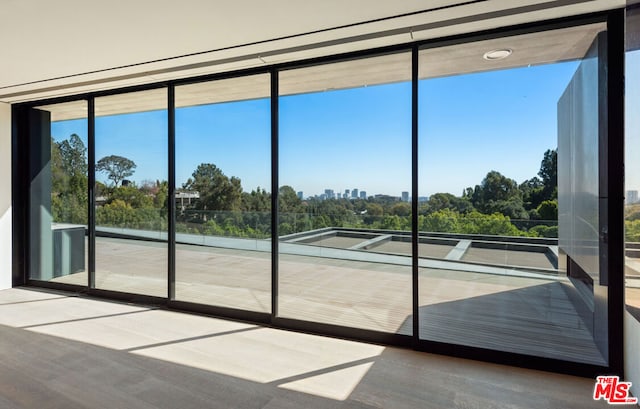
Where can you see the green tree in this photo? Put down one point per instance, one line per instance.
(532, 192)
(494, 187)
(512, 208)
(217, 191)
(132, 196)
(548, 210)
(441, 201)
(288, 200)
(549, 174)
(162, 194)
(632, 230)
(492, 224)
(401, 209)
(395, 222)
(158, 191)
(74, 156)
(69, 180)
(444, 220)
(116, 167)
(374, 209)
(499, 194)
(259, 200)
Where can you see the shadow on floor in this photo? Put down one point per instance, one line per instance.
(44, 371)
(537, 320)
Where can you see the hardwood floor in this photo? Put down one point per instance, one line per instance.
(536, 320)
(62, 351)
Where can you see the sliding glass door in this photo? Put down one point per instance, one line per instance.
(440, 193)
(131, 192)
(223, 198)
(511, 136)
(344, 212)
(58, 192)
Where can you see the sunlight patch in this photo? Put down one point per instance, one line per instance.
(337, 384)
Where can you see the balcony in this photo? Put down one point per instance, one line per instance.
(493, 292)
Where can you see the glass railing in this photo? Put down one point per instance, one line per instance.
(253, 225)
(226, 229)
(139, 223)
(475, 238)
(437, 222)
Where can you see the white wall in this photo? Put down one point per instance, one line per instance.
(632, 352)
(5, 196)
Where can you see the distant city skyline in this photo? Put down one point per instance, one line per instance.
(348, 194)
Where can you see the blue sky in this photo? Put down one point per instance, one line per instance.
(500, 120)
(233, 136)
(356, 138)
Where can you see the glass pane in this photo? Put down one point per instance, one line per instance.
(344, 216)
(508, 210)
(59, 202)
(131, 192)
(632, 165)
(223, 199)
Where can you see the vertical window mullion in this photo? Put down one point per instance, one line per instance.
(91, 185)
(274, 194)
(414, 191)
(171, 205)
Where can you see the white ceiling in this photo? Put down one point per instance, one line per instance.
(570, 43)
(53, 48)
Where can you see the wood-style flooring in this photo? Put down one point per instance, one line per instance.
(69, 352)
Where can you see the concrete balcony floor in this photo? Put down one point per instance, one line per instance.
(487, 307)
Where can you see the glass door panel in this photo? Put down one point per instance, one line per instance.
(223, 200)
(510, 204)
(344, 211)
(59, 201)
(131, 192)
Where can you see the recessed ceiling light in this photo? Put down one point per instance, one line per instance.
(498, 54)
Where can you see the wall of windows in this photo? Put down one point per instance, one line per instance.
(417, 194)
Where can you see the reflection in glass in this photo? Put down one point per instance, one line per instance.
(632, 165)
(223, 203)
(497, 142)
(59, 202)
(344, 212)
(131, 192)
